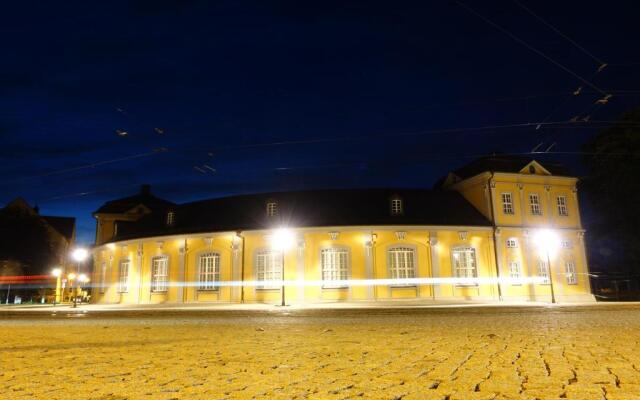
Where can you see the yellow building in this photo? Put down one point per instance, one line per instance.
(499, 229)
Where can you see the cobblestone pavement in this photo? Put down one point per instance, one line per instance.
(469, 353)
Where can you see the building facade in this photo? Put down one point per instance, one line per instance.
(498, 229)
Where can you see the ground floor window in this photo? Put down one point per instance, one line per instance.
(268, 269)
(159, 274)
(103, 277)
(543, 272)
(402, 264)
(464, 263)
(570, 268)
(123, 276)
(334, 263)
(208, 271)
(514, 271)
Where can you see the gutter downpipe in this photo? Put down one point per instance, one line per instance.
(495, 236)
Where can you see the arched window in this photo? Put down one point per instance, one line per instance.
(159, 273)
(335, 266)
(268, 268)
(208, 271)
(396, 206)
(402, 262)
(464, 263)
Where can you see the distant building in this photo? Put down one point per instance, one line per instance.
(474, 237)
(31, 245)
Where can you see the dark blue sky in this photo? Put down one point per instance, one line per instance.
(219, 78)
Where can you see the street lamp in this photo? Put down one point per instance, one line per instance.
(547, 241)
(281, 240)
(72, 277)
(57, 273)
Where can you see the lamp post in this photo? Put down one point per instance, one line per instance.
(57, 273)
(281, 240)
(547, 241)
(71, 278)
(79, 255)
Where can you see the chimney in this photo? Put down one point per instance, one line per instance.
(145, 190)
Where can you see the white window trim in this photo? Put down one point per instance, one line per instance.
(341, 271)
(544, 274)
(123, 275)
(570, 270)
(272, 209)
(507, 203)
(397, 206)
(272, 259)
(402, 270)
(160, 278)
(515, 272)
(561, 202)
(534, 206)
(171, 218)
(208, 271)
(474, 268)
(512, 243)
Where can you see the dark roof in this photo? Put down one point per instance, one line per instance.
(66, 226)
(506, 163)
(315, 208)
(125, 204)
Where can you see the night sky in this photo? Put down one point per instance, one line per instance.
(277, 95)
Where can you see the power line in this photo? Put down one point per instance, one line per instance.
(530, 47)
(556, 30)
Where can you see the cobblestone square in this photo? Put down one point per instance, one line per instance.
(588, 352)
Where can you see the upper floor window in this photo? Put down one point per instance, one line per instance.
(402, 262)
(268, 269)
(272, 209)
(396, 206)
(103, 277)
(570, 269)
(534, 203)
(208, 271)
(566, 244)
(123, 276)
(512, 242)
(171, 217)
(562, 206)
(515, 272)
(464, 263)
(507, 203)
(334, 263)
(159, 273)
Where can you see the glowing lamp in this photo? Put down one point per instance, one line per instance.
(80, 254)
(282, 239)
(546, 240)
(56, 272)
(71, 276)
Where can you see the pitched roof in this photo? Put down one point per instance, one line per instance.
(66, 226)
(125, 204)
(313, 208)
(506, 163)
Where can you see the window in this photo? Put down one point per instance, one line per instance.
(396, 206)
(543, 272)
(512, 242)
(123, 276)
(103, 277)
(464, 263)
(272, 209)
(268, 269)
(534, 202)
(171, 216)
(402, 263)
(208, 271)
(562, 206)
(159, 274)
(507, 203)
(334, 266)
(566, 244)
(570, 269)
(514, 271)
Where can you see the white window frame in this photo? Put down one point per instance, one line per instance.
(103, 277)
(512, 243)
(208, 271)
(534, 204)
(159, 274)
(561, 202)
(396, 206)
(464, 263)
(123, 276)
(507, 203)
(272, 209)
(543, 272)
(566, 244)
(570, 270)
(402, 263)
(334, 266)
(268, 267)
(171, 218)
(515, 272)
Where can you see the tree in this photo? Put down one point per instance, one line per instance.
(612, 188)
